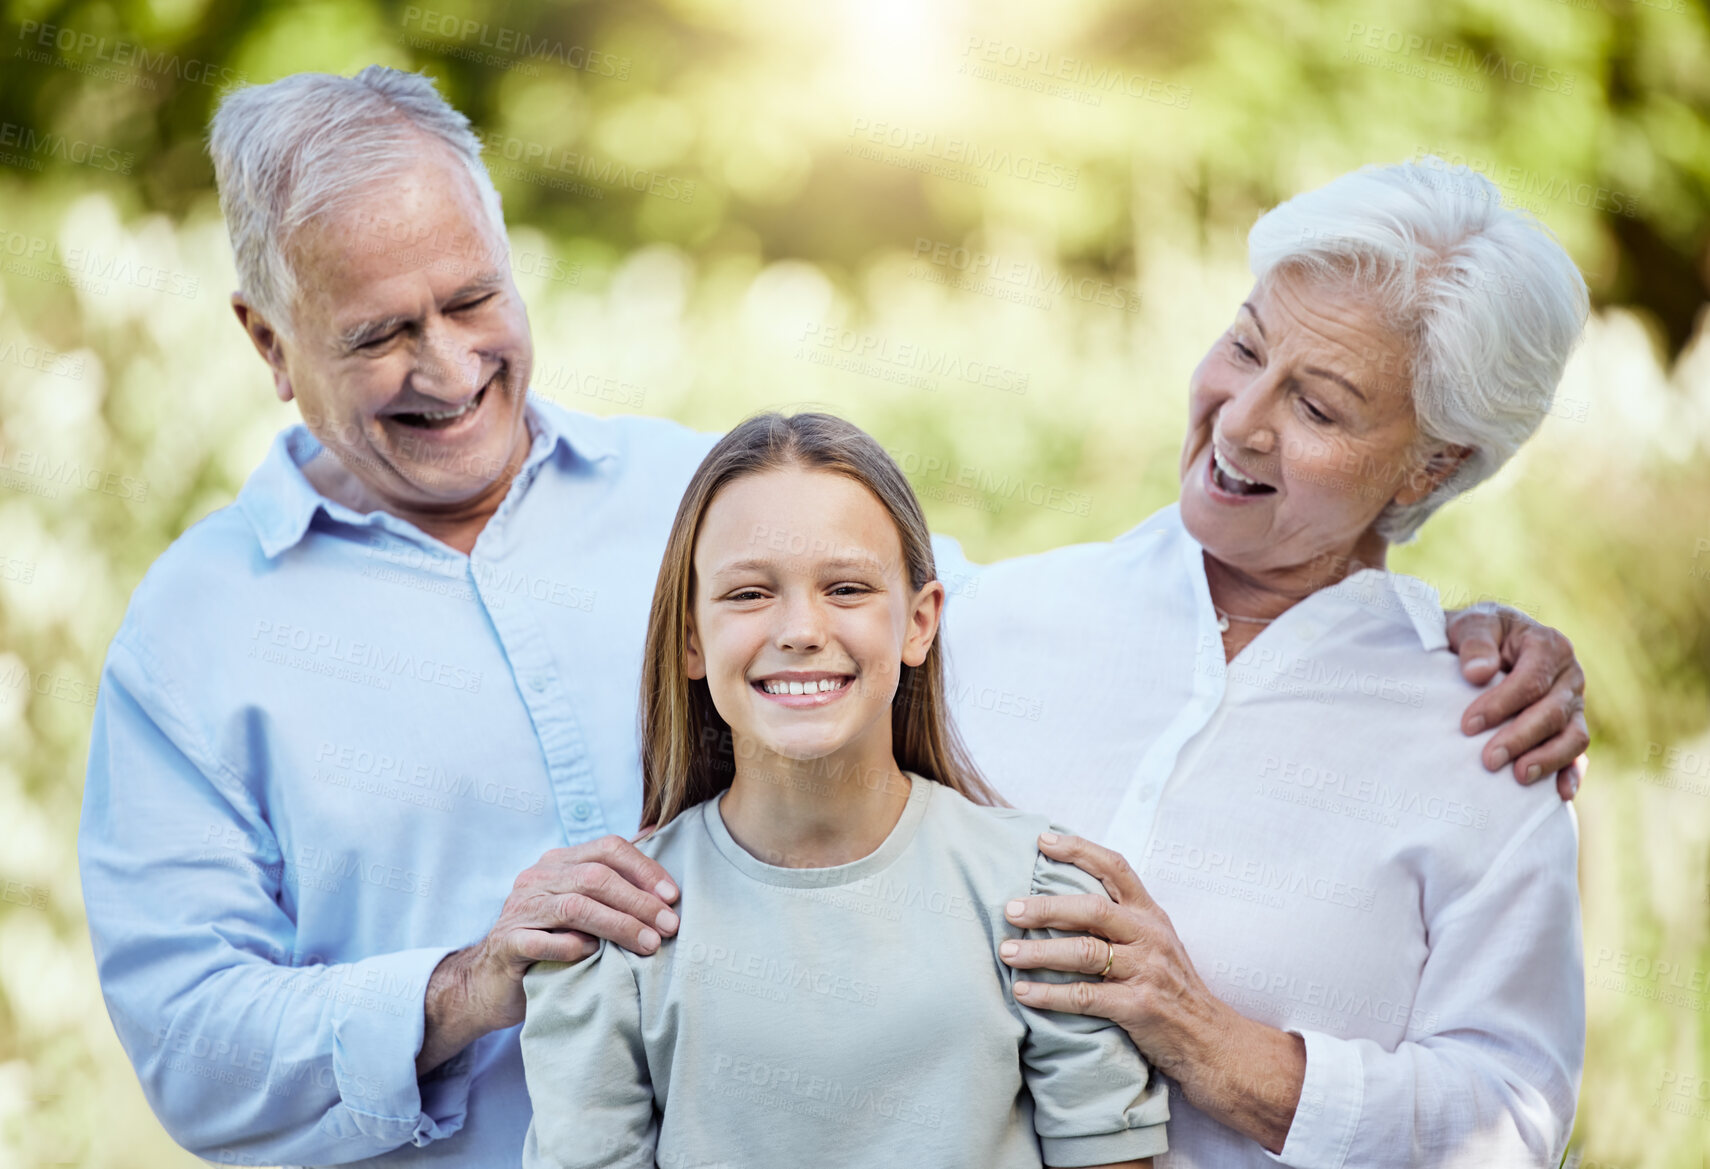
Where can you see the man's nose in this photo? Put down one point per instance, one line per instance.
(448, 368)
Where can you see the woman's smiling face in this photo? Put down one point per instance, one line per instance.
(801, 614)
(1301, 429)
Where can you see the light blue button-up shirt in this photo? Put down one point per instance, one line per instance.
(325, 746)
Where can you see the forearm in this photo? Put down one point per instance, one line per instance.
(284, 1064)
(1241, 1073)
(455, 1013)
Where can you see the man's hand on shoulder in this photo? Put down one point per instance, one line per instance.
(557, 911)
(1539, 708)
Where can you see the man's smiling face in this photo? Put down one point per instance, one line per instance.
(411, 361)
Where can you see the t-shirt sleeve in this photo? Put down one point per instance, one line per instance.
(586, 1066)
(1095, 1100)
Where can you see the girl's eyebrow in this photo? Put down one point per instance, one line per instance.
(762, 564)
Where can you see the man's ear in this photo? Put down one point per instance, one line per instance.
(1439, 465)
(265, 338)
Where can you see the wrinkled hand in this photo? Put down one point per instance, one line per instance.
(1545, 688)
(557, 911)
(1244, 1074)
(1151, 989)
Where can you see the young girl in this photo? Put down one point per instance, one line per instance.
(833, 995)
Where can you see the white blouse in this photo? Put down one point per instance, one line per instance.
(1334, 856)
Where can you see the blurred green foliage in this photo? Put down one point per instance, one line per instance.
(997, 234)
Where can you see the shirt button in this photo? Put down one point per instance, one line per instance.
(581, 809)
(537, 683)
(1148, 791)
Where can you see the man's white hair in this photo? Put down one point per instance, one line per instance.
(307, 145)
(1488, 299)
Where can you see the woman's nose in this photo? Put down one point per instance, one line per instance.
(1245, 420)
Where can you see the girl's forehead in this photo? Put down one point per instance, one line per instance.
(792, 515)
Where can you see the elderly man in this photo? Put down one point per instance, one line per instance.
(343, 714)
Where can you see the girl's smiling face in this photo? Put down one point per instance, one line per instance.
(801, 614)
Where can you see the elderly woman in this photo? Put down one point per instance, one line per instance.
(1342, 940)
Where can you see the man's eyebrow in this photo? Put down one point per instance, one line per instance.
(1339, 379)
(1254, 313)
(363, 332)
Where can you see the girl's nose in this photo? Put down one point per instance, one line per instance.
(803, 629)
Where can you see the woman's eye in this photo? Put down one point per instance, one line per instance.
(1317, 414)
(1246, 353)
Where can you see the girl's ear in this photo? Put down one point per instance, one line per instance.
(923, 623)
(694, 664)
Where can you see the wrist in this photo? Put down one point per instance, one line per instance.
(467, 996)
(1248, 1075)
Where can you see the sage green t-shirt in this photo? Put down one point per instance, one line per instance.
(857, 1015)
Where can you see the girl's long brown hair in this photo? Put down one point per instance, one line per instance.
(686, 750)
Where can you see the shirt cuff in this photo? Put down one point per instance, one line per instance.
(1104, 1148)
(1331, 1098)
(378, 1019)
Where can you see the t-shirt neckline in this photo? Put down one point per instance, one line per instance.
(920, 792)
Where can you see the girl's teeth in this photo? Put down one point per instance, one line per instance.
(820, 686)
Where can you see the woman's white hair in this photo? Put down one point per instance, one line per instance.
(307, 145)
(1489, 300)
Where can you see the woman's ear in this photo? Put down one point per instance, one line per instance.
(1438, 466)
(923, 623)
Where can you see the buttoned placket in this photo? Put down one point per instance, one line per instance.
(1136, 816)
(533, 671)
(538, 681)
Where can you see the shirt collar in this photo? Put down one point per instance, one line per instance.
(1375, 590)
(280, 502)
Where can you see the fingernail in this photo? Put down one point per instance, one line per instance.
(666, 890)
(1015, 909)
(1481, 663)
(667, 921)
(1048, 837)
(649, 938)
(1024, 988)
(1500, 759)
(1009, 949)
(1573, 784)
(1476, 724)
(1532, 774)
